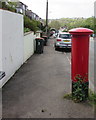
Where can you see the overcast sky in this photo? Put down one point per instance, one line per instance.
(62, 8)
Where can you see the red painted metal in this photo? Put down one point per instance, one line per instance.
(80, 52)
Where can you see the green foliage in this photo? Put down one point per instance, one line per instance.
(39, 25)
(13, 4)
(80, 88)
(94, 25)
(44, 28)
(68, 96)
(31, 24)
(26, 30)
(3, 4)
(55, 24)
(91, 97)
(0, 4)
(73, 23)
(89, 23)
(7, 7)
(79, 93)
(11, 9)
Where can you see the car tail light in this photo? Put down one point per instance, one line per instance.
(58, 39)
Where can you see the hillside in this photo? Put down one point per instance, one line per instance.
(72, 23)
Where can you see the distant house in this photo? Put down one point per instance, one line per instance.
(21, 8)
(29, 14)
(33, 16)
(3, 4)
(37, 17)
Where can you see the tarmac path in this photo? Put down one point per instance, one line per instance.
(37, 89)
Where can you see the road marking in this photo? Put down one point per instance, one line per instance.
(67, 58)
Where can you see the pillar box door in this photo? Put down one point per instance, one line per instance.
(80, 58)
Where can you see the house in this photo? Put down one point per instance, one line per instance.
(3, 4)
(37, 18)
(33, 16)
(21, 8)
(29, 14)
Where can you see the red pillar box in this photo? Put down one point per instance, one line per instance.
(80, 62)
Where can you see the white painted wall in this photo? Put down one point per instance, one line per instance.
(12, 43)
(15, 47)
(0, 64)
(29, 42)
(0, 40)
(91, 65)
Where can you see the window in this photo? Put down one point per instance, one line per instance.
(65, 36)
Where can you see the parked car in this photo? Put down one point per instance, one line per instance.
(63, 40)
(55, 35)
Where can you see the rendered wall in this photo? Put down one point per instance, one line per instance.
(29, 41)
(91, 66)
(0, 40)
(12, 43)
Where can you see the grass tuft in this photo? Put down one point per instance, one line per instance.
(91, 99)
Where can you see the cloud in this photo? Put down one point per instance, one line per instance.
(62, 8)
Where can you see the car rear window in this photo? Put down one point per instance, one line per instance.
(65, 36)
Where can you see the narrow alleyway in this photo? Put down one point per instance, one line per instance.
(37, 89)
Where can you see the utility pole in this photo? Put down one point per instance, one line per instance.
(47, 17)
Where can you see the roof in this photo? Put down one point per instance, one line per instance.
(23, 3)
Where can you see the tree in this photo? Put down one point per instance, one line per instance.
(74, 23)
(33, 25)
(55, 24)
